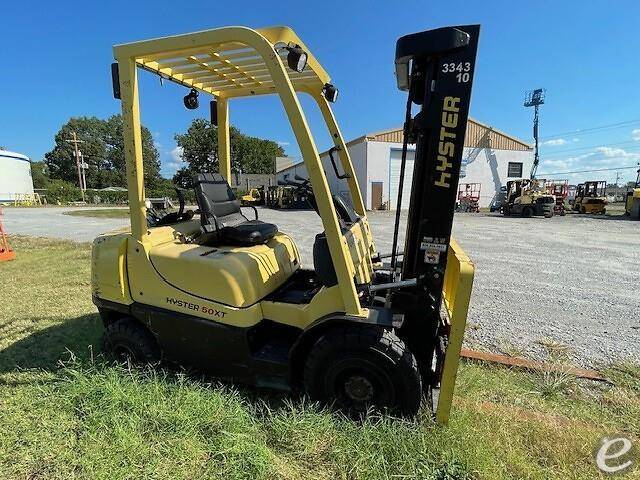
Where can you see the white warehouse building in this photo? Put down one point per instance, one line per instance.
(490, 158)
(15, 176)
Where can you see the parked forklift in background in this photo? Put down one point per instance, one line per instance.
(228, 295)
(560, 191)
(590, 197)
(254, 197)
(632, 201)
(286, 196)
(469, 197)
(527, 198)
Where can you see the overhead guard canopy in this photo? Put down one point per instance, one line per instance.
(209, 63)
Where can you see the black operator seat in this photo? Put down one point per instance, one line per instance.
(221, 217)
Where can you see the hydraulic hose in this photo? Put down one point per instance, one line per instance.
(403, 162)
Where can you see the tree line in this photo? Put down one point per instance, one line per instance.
(102, 147)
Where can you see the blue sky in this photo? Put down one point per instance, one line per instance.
(586, 54)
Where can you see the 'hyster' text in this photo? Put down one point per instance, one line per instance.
(446, 146)
(195, 307)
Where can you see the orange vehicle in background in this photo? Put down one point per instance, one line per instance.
(469, 197)
(560, 190)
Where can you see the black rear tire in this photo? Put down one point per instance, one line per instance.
(362, 367)
(126, 339)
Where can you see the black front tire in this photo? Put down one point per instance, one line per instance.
(126, 339)
(527, 212)
(362, 367)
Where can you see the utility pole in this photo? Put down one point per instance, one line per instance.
(535, 98)
(83, 167)
(76, 152)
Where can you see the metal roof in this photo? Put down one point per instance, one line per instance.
(207, 62)
(475, 131)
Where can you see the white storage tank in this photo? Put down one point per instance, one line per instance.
(15, 176)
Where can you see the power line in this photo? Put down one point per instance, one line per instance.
(593, 170)
(593, 129)
(561, 153)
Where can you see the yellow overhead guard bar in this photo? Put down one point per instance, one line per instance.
(225, 62)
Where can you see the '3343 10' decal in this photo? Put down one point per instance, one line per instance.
(461, 69)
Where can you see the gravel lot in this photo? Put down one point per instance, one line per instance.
(572, 280)
(51, 222)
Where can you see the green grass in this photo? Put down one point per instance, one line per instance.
(100, 213)
(65, 413)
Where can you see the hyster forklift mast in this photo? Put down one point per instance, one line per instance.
(436, 67)
(228, 295)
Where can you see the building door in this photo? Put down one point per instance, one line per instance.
(376, 195)
(395, 161)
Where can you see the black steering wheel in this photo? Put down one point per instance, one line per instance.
(303, 186)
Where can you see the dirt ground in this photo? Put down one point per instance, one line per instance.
(563, 282)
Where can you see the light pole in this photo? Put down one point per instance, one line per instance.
(535, 98)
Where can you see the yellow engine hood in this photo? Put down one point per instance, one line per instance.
(234, 276)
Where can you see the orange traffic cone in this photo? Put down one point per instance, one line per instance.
(6, 253)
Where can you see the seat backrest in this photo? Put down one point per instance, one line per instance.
(218, 205)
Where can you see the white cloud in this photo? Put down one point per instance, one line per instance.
(556, 165)
(600, 157)
(176, 155)
(635, 133)
(617, 153)
(576, 139)
(282, 143)
(555, 142)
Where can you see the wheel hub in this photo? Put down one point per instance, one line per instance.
(359, 388)
(123, 351)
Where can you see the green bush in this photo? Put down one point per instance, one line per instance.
(60, 191)
(101, 196)
(162, 190)
(166, 188)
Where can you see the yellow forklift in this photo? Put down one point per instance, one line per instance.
(217, 291)
(286, 196)
(528, 198)
(590, 197)
(632, 201)
(254, 197)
